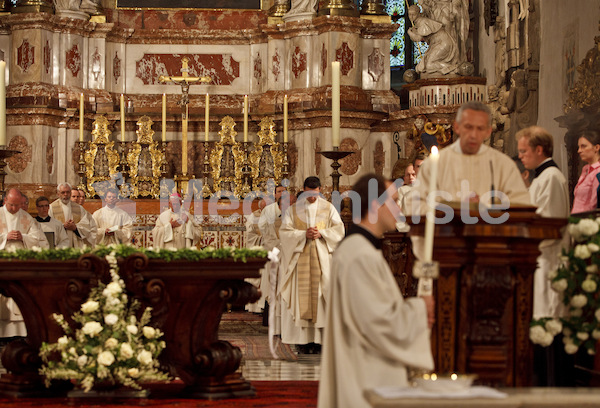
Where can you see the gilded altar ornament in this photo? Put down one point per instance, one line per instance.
(227, 160)
(585, 91)
(101, 158)
(145, 159)
(266, 160)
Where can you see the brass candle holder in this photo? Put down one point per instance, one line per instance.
(81, 171)
(335, 155)
(246, 171)
(206, 191)
(285, 173)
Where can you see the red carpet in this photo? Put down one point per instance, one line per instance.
(286, 394)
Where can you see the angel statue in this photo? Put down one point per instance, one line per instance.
(301, 9)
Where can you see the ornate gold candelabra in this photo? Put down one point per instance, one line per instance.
(206, 192)
(163, 164)
(337, 8)
(123, 166)
(335, 155)
(81, 171)
(285, 173)
(246, 170)
(4, 154)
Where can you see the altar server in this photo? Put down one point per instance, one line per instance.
(115, 226)
(372, 334)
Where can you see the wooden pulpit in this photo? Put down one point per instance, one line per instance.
(484, 294)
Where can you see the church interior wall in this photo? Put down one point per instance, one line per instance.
(563, 25)
(485, 47)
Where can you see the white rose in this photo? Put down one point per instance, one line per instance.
(591, 352)
(133, 372)
(567, 340)
(579, 301)
(81, 361)
(132, 329)
(111, 343)
(63, 341)
(571, 348)
(106, 358)
(552, 274)
(91, 328)
(573, 231)
(111, 259)
(583, 336)
(149, 332)
(538, 335)
(111, 319)
(596, 334)
(90, 306)
(126, 351)
(597, 314)
(587, 227)
(560, 285)
(144, 357)
(593, 268)
(593, 247)
(589, 285)
(567, 332)
(73, 351)
(112, 289)
(553, 326)
(582, 252)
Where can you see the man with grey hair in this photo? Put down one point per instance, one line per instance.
(468, 169)
(79, 226)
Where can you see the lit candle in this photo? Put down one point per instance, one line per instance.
(206, 117)
(285, 118)
(2, 103)
(434, 158)
(335, 103)
(164, 117)
(122, 118)
(245, 118)
(81, 113)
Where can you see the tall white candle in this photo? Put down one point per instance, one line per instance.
(285, 118)
(434, 158)
(335, 103)
(206, 117)
(2, 103)
(81, 114)
(164, 117)
(245, 118)
(122, 118)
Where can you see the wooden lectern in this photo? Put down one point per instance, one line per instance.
(484, 294)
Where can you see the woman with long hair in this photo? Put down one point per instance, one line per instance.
(586, 190)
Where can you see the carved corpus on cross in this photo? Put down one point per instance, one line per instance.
(185, 80)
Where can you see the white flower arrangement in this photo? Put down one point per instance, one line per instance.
(110, 346)
(577, 281)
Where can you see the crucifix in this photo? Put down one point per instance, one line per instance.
(184, 80)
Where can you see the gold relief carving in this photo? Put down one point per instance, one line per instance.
(145, 159)
(101, 158)
(585, 91)
(227, 160)
(266, 161)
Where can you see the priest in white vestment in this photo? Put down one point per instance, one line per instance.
(78, 196)
(254, 239)
(468, 170)
(115, 226)
(50, 225)
(175, 227)
(80, 226)
(18, 230)
(372, 334)
(310, 232)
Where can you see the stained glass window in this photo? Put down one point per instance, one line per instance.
(397, 9)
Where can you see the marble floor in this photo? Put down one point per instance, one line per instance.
(307, 368)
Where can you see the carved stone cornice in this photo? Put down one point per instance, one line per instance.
(203, 37)
(55, 24)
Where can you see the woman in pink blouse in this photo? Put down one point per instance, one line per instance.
(586, 190)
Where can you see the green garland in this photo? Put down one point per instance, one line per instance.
(187, 254)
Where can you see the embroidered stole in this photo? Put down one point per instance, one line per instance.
(58, 213)
(308, 266)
